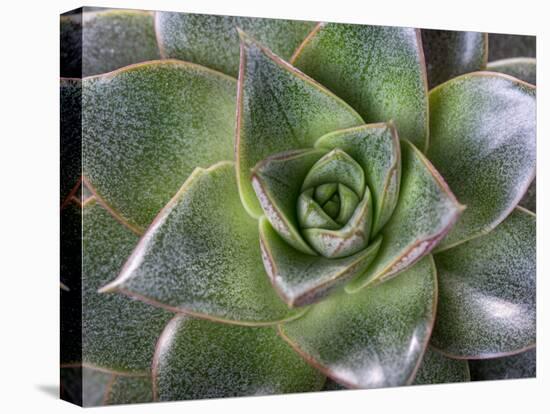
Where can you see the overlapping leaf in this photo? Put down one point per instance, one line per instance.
(483, 129)
(201, 359)
(277, 181)
(118, 333)
(376, 148)
(91, 387)
(146, 127)
(202, 256)
(487, 294)
(301, 278)
(213, 41)
(425, 212)
(378, 70)
(373, 338)
(438, 369)
(521, 68)
(112, 39)
(279, 109)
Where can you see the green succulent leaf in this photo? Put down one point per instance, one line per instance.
(112, 39)
(312, 214)
(373, 338)
(201, 256)
(425, 212)
(522, 365)
(483, 130)
(503, 46)
(277, 181)
(213, 41)
(279, 109)
(347, 240)
(70, 94)
(438, 369)
(94, 387)
(452, 53)
(521, 68)
(146, 127)
(336, 166)
(487, 292)
(378, 70)
(301, 278)
(130, 390)
(376, 148)
(200, 359)
(95, 384)
(118, 333)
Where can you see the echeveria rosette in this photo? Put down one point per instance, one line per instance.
(303, 246)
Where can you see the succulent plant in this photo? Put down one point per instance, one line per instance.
(282, 206)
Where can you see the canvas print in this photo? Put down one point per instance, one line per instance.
(254, 206)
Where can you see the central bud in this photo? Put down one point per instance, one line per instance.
(334, 207)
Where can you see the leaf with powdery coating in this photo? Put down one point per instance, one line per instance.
(347, 240)
(92, 386)
(130, 390)
(373, 338)
(277, 181)
(279, 109)
(521, 68)
(301, 278)
(95, 385)
(376, 148)
(112, 39)
(213, 41)
(200, 359)
(424, 214)
(487, 294)
(146, 127)
(378, 70)
(118, 333)
(201, 256)
(483, 142)
(438, 369)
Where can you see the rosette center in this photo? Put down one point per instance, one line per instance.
(334, 208)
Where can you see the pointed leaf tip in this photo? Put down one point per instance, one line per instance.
(213, 41)
(373, 338)
(378, 70)
(279, 109)
(425, 213)
(201, 256)
(302, 279)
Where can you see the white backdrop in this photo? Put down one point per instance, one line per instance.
(29, 171)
